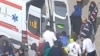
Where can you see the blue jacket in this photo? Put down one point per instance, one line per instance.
(77, 10)
(64, 40)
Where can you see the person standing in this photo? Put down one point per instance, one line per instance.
(5, 48)
(88, 47)
(46, 49)
(49, 36)
(57, 50)
(93, 10)
(76, 18)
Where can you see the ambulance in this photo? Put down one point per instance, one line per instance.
(22, 22)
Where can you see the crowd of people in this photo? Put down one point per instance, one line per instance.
(64, 45)
(79, 45)
(6, 49)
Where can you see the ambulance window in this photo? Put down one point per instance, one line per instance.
(60, 8)
(34, 25)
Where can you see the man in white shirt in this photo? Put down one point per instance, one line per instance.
(49, 36)
(88, 47)
(74, 48)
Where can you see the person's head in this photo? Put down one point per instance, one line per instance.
(93, 4)
(46, 45)
(57, 43)
(48, 27)
(79, 2)
(33, 46)
(63, 33)
(58, 35)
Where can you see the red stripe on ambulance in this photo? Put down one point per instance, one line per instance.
(11, 4)
(33, 35)
(9, 26)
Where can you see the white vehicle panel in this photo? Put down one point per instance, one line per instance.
(7, 15)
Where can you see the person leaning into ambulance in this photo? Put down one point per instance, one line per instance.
(49, 36)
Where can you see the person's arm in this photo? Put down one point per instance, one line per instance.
(54, 36)
(79, 51)
(84, 49)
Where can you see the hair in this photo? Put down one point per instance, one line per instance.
(91, 8)
(92, 2)
(58, 35)
(63, 33)
(57, 43)
(48, 27)
(34, 46)
(79, 2)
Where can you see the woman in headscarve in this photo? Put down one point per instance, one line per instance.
(93, 10)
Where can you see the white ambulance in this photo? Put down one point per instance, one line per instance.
(20, 21)
(24, 21)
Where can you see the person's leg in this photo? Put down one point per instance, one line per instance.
(78, 25)
(94, 25)
(72, 18)
(75, 27)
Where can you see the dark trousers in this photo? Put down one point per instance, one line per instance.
(94, 26)
(76, 22)
(92, 53)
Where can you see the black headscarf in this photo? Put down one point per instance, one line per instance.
(91, 8)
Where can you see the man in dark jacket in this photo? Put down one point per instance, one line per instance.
(76, 18)
(56, 50)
